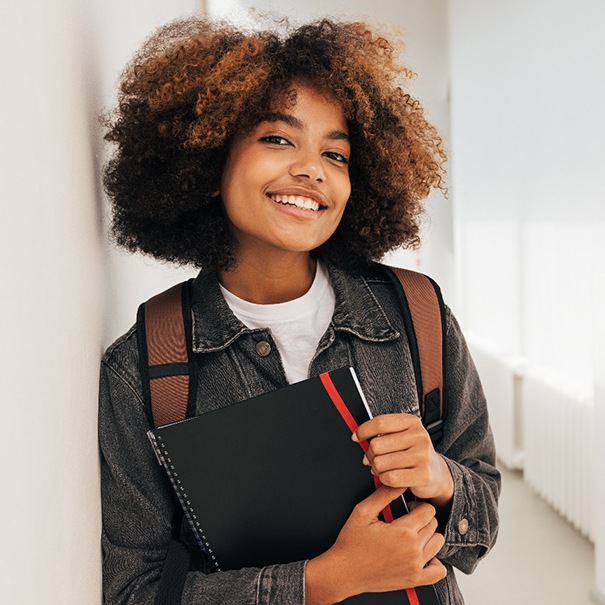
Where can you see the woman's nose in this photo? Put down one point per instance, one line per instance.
(308, 165)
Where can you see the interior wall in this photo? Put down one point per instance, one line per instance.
(598, 294)
(59, 64)
(527, 129)
(52, 276)
(118, 31)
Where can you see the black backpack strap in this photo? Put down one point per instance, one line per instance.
(174, 574)
(164, 334)
(424, 319)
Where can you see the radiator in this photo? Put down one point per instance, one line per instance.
(501, 376)
(558, 419)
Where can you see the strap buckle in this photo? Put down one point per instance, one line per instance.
(435, 430)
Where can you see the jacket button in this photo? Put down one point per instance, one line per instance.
(462, 526)
(263, 348)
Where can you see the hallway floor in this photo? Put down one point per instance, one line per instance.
(539, 558)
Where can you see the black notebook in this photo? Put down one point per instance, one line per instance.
(273, 479)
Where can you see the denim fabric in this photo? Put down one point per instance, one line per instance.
(367, 333)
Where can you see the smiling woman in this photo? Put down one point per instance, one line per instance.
(283, 166)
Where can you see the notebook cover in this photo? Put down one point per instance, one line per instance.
(274, 478)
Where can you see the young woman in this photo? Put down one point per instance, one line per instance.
(283, 167)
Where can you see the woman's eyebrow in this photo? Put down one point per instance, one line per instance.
(290, 120)
(336, 135)
(339, 135)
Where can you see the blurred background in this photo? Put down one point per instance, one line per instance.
(517, 89)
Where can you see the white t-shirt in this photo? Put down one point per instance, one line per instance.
(296, 325)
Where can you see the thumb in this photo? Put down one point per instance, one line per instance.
(374, 504)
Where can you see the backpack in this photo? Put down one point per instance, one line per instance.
(164, 335)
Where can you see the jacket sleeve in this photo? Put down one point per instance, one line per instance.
(138, 510)
(468, 448)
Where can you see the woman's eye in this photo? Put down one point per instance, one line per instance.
(338, 157)
(275, 139)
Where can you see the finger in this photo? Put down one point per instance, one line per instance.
(420, 516)
(395, 479)
(434, 545)
(405, 460)
(374, 504)
(411, 478)
(425, 536)
(433, 572)
(383, 424)
(411, 439)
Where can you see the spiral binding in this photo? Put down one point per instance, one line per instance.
(184, 499)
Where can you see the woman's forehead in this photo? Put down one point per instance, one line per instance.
(303, 96)
(292, 103)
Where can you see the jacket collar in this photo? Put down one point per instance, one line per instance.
(357, 311)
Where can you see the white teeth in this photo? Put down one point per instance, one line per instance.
(296, 200)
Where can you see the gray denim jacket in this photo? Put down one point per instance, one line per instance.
(367, 333)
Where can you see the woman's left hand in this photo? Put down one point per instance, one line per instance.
(401, 454)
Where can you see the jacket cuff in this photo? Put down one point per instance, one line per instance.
(282, 584)
(464, 522)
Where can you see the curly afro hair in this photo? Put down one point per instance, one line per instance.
(196, 83)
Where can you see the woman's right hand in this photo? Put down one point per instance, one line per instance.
(370, 555)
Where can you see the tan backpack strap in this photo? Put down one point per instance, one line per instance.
(163, 347)
(424, 317)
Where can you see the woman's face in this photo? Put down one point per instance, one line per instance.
(286, 183)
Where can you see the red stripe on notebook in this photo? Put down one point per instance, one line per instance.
(343, 410)
(341, 406)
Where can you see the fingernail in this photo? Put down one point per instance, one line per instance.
(366, 461)
(354, 438)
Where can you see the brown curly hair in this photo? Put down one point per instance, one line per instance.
(196, 83)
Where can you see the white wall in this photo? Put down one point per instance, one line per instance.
(57, 68)
(599, 373)
(424, 27)
(52, 278)
(119, 29)
(527, 130)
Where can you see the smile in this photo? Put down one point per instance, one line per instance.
(305, 203)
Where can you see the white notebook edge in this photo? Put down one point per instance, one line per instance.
(369, 411)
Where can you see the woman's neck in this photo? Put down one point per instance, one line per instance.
(264, 281)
